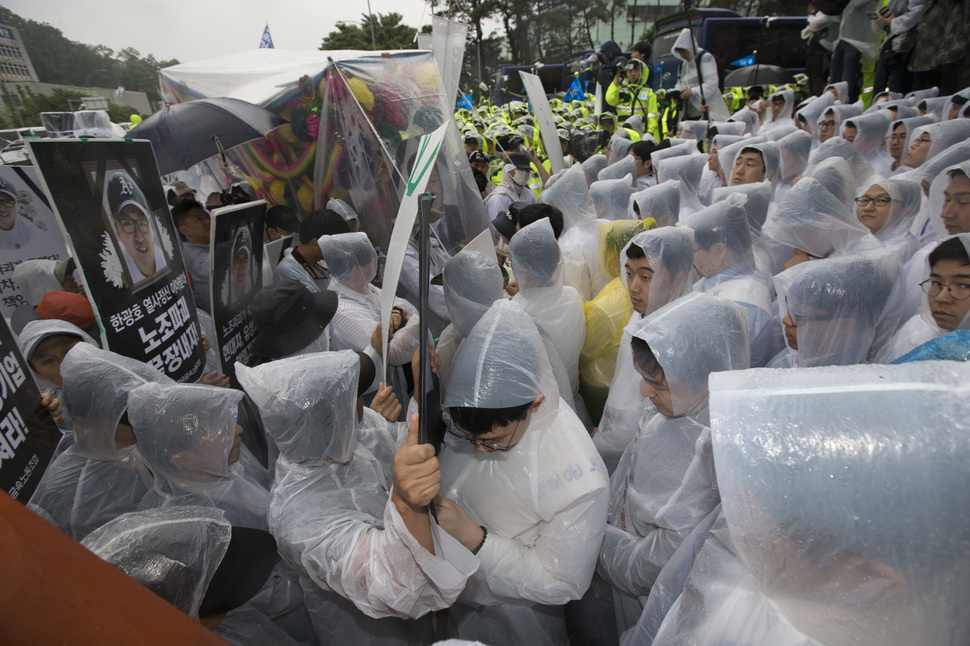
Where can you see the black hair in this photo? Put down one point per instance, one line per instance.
(643, 47)
(711, 132)
(535, 212)
(480, 421)
(644, 359)
(899, 124)
(180, 212)
(322, 222)
(635, 252)
(959, 99)
(735, 235)
(761, 155)
(642, 149)
(957, 172)
(950, 249)
(868, 286)
(282, 217)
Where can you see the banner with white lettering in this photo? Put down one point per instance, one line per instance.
(28, 435)
(235, 275)
(28, 231)
(111, 207)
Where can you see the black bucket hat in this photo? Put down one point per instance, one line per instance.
(289, 317)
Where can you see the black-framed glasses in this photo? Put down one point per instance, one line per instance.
(826, 124)
(882, 200)
(959, 291)
(491, 446)
(129, 226)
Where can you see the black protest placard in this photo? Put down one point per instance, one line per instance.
(28, 231)
(28, 435)
(109, 201)
(235, 275)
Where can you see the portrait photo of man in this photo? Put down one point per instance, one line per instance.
(240, 268)
(134, 229)
(15, 231)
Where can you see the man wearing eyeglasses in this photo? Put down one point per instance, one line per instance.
(133, 227)
(523, 488)
(946, 305)
(15, 232)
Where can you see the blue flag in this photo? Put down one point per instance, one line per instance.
(465, 102)
(744, 62)
(575, 92)
(267, 41)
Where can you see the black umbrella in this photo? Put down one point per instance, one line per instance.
(184, 134)
(758, 75)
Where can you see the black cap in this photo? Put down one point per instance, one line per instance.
(520, 161)
(289, 317)
(282, 217)
(121, 190)
(249, 560)
(607, 116)
(367, 373)
(504, 223)
(477, 156)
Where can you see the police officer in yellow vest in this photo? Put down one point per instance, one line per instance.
(634, 96)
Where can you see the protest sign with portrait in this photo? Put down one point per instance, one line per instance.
(235, 275)
(28, 231)
(109, 201)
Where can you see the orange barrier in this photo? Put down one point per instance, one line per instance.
(54, 591)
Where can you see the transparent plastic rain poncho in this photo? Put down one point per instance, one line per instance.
(839, 147)
(620, 169)
(909, 125)
(785, 116)
(578, 241)
(723, 222)
(687, 170)
(665, 482)
(472, 282)
(174, 552)
(933, 105)
(841, 88)
(836, 177)
(905, 206)
(921, 327)
(592, 167)
(570, 194)
(758, 197)
(537, 262)
(36, 278)
(750, 119)
(770, 155)
(185, 434)
(781, 131)
(330, 511)
(836, 305)
(942, 135)
(611, 197)
(794, 150)
(810, 218)
(544, 526)
(351, 259)
(727, 154)
(871, 132)
(341, 208)
(693, 129)
(618, 148)
(635, 122)
(94, 481)
(730, 128)
(919, 95)
(670, 253)
(840, 113)
(657, 156)
(839, 488)
(934, 209)
(608, 313)
(660, 202)
(811, 112)
(955, 154)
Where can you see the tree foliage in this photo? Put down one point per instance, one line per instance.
(389, 33)
(62, 61)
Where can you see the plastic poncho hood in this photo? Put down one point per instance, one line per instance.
(502, 363)
(813, 220)
(611, 197)
(172, 551)
(839, 147)
(906, 200)
(670, 253)
(35, 278)
(830, 480)
(37, 331)
(835, 177)
(472, 282)
(570, 194)
(691, 338)
(871, 132)
(724, 222)
(794, 150)
(660, 202)
(758, 197)
(351, 259)
(836, 305)
(536, 257)
(308, 428)
(810, 113)
(96, 388)
(192, 430)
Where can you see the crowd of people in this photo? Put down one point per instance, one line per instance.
(584, 493)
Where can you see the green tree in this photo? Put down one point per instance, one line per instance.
(389, 33)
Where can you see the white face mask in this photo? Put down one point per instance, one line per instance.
(521, 177)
